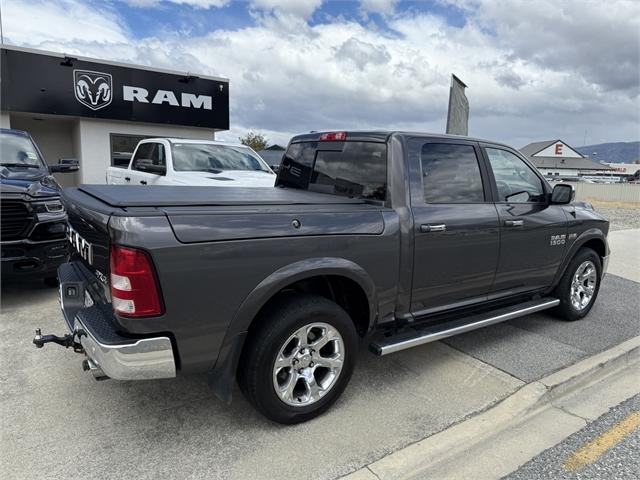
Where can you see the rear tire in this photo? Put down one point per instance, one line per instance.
(299, 359)
(579, 286)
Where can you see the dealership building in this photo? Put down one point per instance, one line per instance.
(555, 158)
(97, 111)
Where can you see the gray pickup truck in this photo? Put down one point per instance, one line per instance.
(397, 238)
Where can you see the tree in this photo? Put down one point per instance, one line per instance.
(257, 141)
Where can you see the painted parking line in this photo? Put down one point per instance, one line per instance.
(593, 450)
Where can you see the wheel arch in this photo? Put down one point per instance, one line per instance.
(593, 238)
(327, 276)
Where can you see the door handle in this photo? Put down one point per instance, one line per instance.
(513, 223)
(433, 228)
(128, 179)
(143, 182)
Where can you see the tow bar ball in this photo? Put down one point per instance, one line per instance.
(66, 341)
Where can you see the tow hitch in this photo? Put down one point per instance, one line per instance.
(67, 341)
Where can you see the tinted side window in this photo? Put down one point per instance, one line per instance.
(297, 164)
(515, 180)
(350, 169)
(450, 174)
(359, 170)
(149, 154)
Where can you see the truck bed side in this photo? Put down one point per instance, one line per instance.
(220, 263)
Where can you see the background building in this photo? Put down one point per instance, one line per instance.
(272, 155)
(97, 111)
(555, 158)
(622, 171)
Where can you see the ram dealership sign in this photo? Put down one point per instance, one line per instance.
(33, 82)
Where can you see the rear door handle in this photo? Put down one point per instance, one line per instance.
(513, 223)
(128, 179)
(433, 228)
(143, 182)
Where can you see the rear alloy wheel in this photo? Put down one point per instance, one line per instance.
(298, 359)
(309, 364)
(579, 285)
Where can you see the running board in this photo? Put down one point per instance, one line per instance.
(438, 332)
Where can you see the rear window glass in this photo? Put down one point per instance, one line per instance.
(350, 169)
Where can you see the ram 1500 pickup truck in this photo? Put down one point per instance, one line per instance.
(178, 161)
(33, 234)
(399, 238)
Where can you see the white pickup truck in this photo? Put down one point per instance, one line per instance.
(178, 161)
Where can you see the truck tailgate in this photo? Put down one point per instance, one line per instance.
(89, 234)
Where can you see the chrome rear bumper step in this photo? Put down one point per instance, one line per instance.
(438, 332)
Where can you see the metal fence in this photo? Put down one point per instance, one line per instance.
(608, 192)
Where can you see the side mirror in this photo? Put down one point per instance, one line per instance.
(147, 165)
(562, 194)
(156, 169)
(65, 165)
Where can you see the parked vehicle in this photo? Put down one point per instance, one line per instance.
(401, 238)
(33, 219)
(177, 161)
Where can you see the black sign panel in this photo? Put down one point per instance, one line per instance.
(50, 84)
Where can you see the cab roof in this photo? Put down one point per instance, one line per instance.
(11, 131)
(194, 140)
(384, 135)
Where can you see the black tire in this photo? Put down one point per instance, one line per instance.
(274, 327)
(566, 310)
(51, 282)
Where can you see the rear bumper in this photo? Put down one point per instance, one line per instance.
(118, 356)
(144, 359)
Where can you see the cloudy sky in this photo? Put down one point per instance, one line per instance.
(536, 70)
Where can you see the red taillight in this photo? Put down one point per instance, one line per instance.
(134, 289)
(333, 137)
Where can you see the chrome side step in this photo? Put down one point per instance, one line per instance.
(438, 332)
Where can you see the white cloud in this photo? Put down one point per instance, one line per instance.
(204, 4)
(66, 21)
(386, 7)
(362, 53)
(288, 76)
(296, 8)
(596, 40)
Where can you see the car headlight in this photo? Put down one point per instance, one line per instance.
(50, 210)
(54, 206)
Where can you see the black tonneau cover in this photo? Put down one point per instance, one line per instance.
(123, 196)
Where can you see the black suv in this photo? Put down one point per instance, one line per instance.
(33, 220)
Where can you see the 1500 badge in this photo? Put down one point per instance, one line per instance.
(558, 240)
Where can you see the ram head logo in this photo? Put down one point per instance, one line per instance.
(92, 89)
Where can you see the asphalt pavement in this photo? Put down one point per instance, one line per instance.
(531, 347)
(57, 422)
(607, 441)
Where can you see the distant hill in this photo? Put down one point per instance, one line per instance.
(621, 152)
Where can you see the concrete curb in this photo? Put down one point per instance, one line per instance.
(527, 401)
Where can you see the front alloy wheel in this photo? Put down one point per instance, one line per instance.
(579, 285)
(308, 364)
(583, 285)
